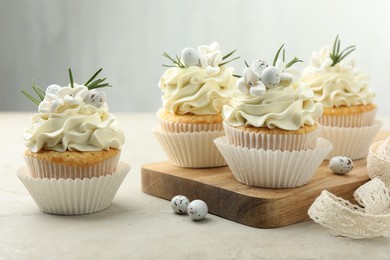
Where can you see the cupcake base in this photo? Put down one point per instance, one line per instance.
(281, 140)
(273, 169)
(191, 149)
(73, 197)
(352, 142)
(52, 167)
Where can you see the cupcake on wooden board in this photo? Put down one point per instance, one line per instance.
(73, 147)
(343, 89)
(195, 88)
(271, 127)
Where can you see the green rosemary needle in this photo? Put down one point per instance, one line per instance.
(338, 56)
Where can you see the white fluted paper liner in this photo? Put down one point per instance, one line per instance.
(352, 142)
(273, 169)
(191, 150)
(353, 221)
(174, 127)
(288, 142)
(355, 120)
(44, 169)
(74, 197)
(376, 166)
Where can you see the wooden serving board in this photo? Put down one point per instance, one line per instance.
(252, 206)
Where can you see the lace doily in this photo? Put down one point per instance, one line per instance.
(378, 161)
(369, 219)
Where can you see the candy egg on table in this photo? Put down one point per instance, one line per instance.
(197, 209)
(340, 165)
(179, 204)
(258, 66)
(190, 57)
(271, 77)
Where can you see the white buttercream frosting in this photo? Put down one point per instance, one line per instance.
(72, 119)
(198, 90)
(340, 85)
(286, 108)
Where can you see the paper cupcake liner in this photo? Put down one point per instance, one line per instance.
(273, 169)
(287, 142)
(73, 197)
(377, 167)
(355, 120)
(44, 169)
(174, 127)
(353, 221)
(191, 150)
(352, 142)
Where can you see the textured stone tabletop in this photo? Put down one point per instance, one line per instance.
(139, 226)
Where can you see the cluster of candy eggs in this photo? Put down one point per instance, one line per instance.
(95, 97)
(197, 209)
(259, 77)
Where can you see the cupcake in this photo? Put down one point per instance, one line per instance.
(195, 88)
(271, 127)
(343, 90)
(73, 145)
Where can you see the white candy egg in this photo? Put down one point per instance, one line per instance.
(96, 98)
(271, 77)
(197, 209)
(258, 90)
(52, 89)
(179, 204)
(190, 57)
(340, 165)
(258, 66)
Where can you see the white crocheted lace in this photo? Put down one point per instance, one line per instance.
(370, 219)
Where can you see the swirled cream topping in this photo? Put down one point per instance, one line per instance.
(201, 86)
(73, 119)
(340, 85)
(282, 107)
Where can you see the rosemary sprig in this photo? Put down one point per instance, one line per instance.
(41, 94)
(227, 56)
(29, 96)
(177, 62)
(338, 56)
(290, 63)
(277, 55)
(99, 83)
(93, 77)
(71, 78)
(246, 64)
(226, 62)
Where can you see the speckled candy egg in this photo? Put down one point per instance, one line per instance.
(52, 89)
(190, 57)
(179, 204)
(341, 165)
(96, 98)
(197, 209)
(271, 77)
(258, 66)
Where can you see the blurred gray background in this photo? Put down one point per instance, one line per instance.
(40, 39)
